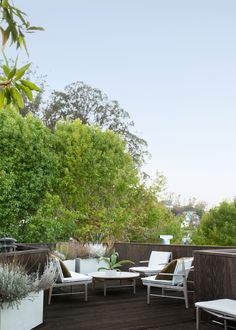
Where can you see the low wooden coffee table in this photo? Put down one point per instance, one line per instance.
(119, 276)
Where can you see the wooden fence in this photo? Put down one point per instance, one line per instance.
(214, 267)
(31, 257)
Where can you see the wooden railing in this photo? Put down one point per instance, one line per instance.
(214, 267)
(215, 274)
(33, 258)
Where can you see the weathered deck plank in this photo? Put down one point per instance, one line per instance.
(119, 310)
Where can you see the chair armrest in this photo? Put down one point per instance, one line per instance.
(143, 261)
(190, 269)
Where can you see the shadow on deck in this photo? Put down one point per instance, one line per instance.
(119, 310)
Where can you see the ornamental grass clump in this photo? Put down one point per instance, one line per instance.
(16, 284)
(74, 249)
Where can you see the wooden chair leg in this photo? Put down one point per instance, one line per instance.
(225, 324)
(197, 318)
(50, 295)
(86, 292)
(185, 294)
(148, 294)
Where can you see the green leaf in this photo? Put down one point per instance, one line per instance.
(20, 14)
(102, 268)
(17, 97)
(35, 28)
(11, 73)
(20, 73)
(25, 46)
(26, 90)
(30, 85)
(5, 58)
(14, 32)
(5, 3)
(6, 70)
(2, 98)
(7, 95)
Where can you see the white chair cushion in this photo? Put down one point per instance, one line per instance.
(152, 280)
(76, 277)
(221, 306)
(146, 270)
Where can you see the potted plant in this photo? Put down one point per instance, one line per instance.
(67, 251)
(89, 257)
(83, 258)
(21, 295)
(112, 265)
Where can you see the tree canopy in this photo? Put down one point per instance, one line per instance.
(92, 106)
(26, 168)
(218, 226)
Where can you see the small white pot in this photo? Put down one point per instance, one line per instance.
(28, 315)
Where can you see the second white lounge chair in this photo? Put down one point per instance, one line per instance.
(156, 262)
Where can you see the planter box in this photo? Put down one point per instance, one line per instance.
(70, 264)
(85, 266)
(28, 315)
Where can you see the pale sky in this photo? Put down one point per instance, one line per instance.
(171, 64)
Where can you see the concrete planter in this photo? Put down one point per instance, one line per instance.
(28, 315)
(90, 265)
(70, 264)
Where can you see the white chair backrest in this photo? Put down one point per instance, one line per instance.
(159, 257)
(183, 266)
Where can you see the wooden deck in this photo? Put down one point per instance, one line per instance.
(119, 310)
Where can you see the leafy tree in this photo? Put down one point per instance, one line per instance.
(218, 226)
(91, 106)
(73, 182)
(27, 166)
(149, 218)
(95, 177)
(13, 86)
(51, 223)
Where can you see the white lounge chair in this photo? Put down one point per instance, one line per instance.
(156, 262)
(177, 283)
(76, 279)
(221, 308)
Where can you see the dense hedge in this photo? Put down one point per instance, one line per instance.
(76, 181)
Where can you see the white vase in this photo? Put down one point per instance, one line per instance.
(90, 265)
(26, 316)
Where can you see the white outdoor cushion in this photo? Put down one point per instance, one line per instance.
(76, 277)
(157, 261)
(221, 306)
(147, 270)
(152, 280)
